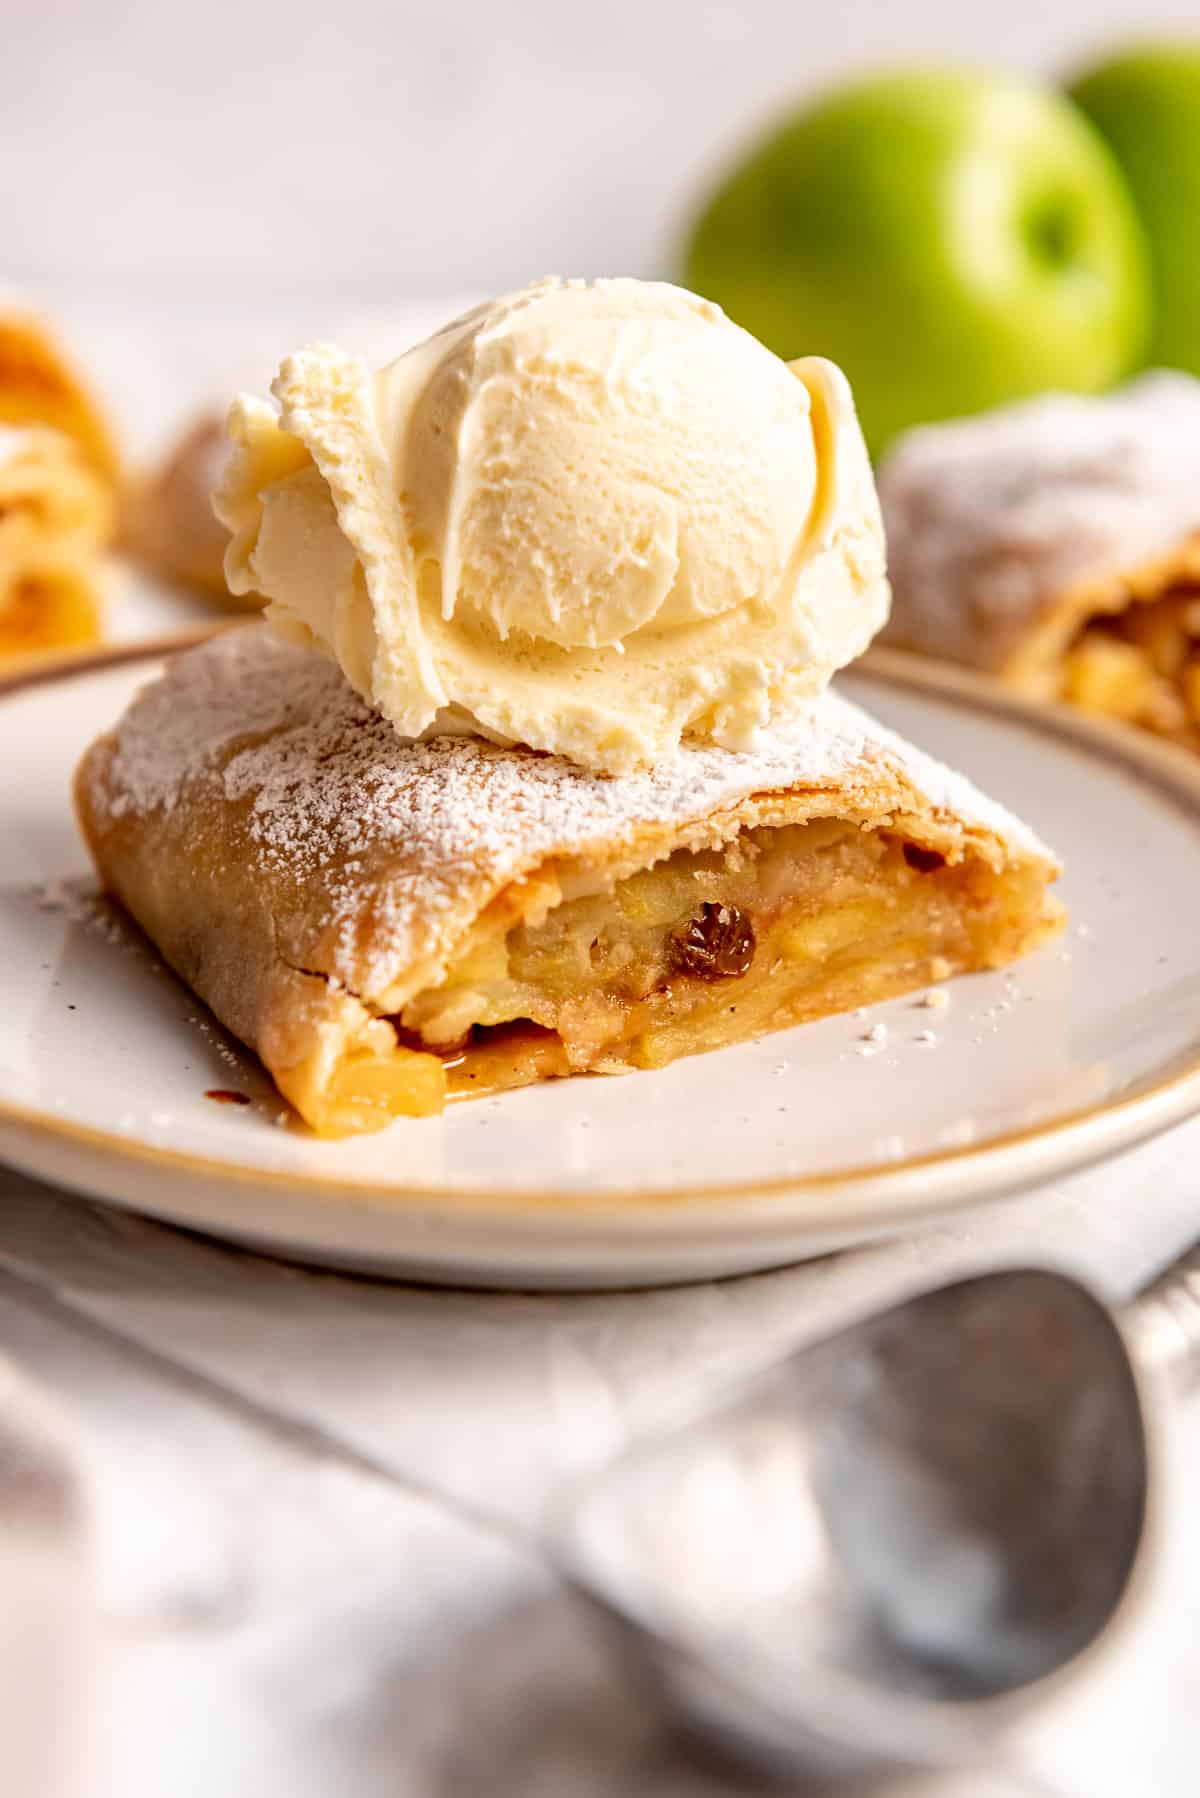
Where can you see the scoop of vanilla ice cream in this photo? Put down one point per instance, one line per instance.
(593, 517)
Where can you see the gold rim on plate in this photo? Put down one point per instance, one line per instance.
(1134, 1116)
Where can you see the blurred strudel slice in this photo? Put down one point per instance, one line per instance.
(56, 517)
(170, 524)
(1056, 544)
(40, 385)
(389, 924)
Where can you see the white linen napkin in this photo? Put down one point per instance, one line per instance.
(47, 1626)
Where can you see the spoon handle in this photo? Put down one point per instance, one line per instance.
(1164, 1319)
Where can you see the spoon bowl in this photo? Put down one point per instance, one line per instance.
(873, 1558)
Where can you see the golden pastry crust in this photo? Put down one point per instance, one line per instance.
(310, 874)
(56, 516)
(39, 385)
(170, 526)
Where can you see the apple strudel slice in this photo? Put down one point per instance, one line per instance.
(1056, 544)
(39, 385)
(56, 517)
(389, 924)
(170, 525)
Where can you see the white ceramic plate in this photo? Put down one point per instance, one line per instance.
(743, 1159)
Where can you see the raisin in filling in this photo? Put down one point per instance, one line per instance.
(925, 861)
(716, 945)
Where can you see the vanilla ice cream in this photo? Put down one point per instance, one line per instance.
(593, 517)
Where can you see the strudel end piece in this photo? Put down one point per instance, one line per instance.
(170, 526)
(39, 385)
(1056, 544)
(56, 516)
(390, 923)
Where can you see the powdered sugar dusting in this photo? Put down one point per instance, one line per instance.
(989, 518)
(179, 725)
(329, 785)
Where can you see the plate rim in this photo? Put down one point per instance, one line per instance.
(1126, 1119)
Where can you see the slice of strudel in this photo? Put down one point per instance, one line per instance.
(1056, 544)
(56, 518)
(389, 923)
(40, 385)
(170, 525)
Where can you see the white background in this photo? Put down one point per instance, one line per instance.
(362, 148)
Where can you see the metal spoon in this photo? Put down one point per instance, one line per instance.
(876, 1557)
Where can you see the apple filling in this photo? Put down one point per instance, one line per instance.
(1142, 665)
(708, 948)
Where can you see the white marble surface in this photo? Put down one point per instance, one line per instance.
(321, 1502)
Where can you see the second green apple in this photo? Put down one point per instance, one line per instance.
(954, 240)
(1146, 102)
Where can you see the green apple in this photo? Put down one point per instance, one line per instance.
(954, 240)
(1147, 104)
